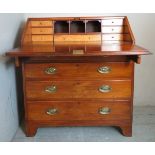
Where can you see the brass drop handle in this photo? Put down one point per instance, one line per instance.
(52, 111)
(51, 89)
(104, 110)
(105, 88)
(104, 69)
(51, 70)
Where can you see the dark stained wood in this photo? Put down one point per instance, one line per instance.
(77, 47)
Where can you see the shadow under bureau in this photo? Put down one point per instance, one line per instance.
(78, 72)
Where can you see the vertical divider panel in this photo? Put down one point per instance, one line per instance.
(69, 22)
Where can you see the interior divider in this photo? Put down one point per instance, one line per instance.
(77, 26)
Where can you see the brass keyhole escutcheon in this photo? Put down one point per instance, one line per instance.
(51, 70)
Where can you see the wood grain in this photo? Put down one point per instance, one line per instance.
(42, 30)
(61, 38)
(41, 23)
(78, 111)
(42, 38)
(35, 90)
(111, 48)
(85, 71)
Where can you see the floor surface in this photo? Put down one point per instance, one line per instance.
(143, 131)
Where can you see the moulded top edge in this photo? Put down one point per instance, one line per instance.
(76, 18)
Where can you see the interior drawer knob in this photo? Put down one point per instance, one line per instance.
(51, 89)
(104, 110)
(105, 89)
(52, 111)
(51, 70)
(104, 69)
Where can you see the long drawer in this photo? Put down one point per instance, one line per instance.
(43, 71)
(100, 89)
(63, 38)
(46, 111)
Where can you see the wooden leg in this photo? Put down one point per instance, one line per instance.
(126, 130)
(30, 128)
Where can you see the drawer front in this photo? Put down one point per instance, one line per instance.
(59, 90)
(78, 70)
(41, 23)
(115, 37)
(42, 38)
(112, 29)
(46, 111)
(42, 30)
(62, 38)
(108, 22)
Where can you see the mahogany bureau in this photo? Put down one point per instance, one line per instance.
(78, 72)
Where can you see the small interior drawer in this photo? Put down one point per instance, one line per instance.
(112, 29)
(41, 23)
(112, 22)
(42, 30)
(42, 38)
